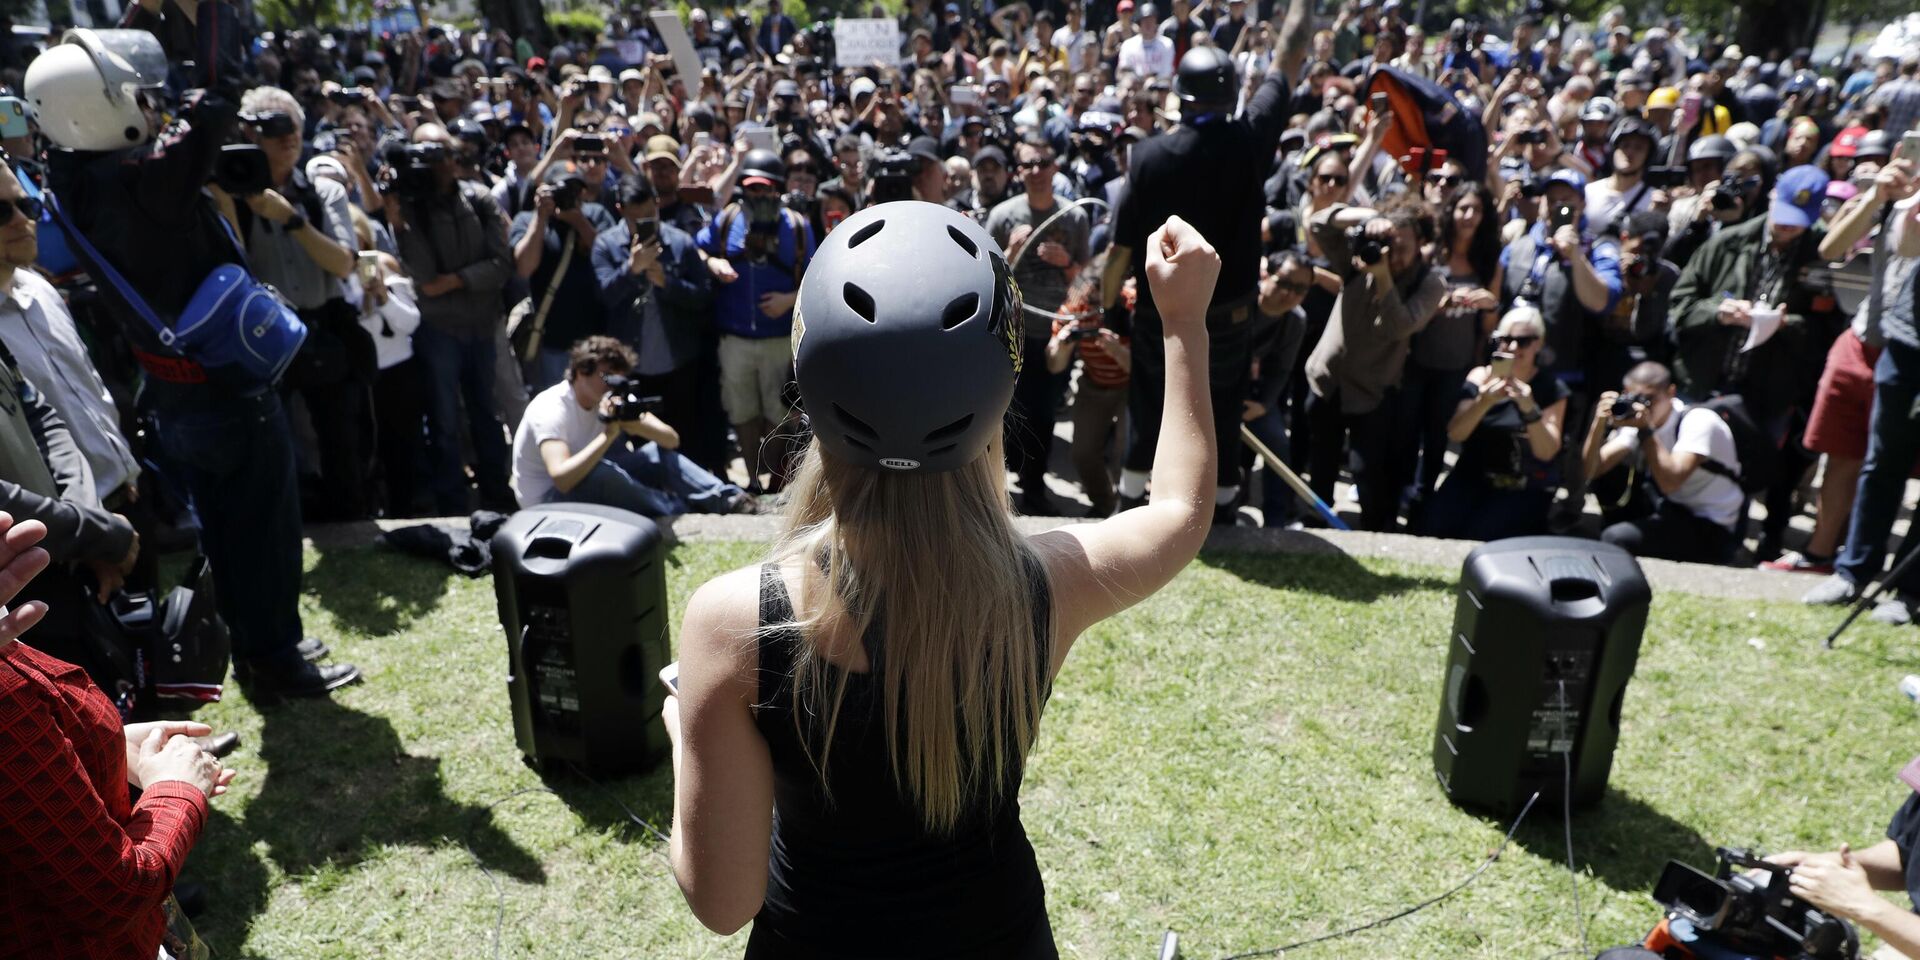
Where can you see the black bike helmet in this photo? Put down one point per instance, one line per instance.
(906, 339)
(1713, 147)
(1206, 79)
(1634, 127)
(764, 164)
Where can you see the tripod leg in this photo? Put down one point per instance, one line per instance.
(1899, 570)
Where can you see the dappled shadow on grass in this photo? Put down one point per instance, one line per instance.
(236, 881)
(376, 592)
(338, 786)
(1330, 572)
(1622, 840)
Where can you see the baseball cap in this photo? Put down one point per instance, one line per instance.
(861, 87)
(1798, 195)
(536, 63)
(632, 74)
(374, 58)
(1657, 33)
(365, 76)
(1632, 80)
(1666, 97)
(1847, 142)
(1567, 176)
(994, 154)
(663, 147)
(1126, 6)
(786, 88)
(600, 71)
(925, 147)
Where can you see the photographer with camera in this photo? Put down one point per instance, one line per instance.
(553, 252)
(1508, 421)
(592, 438)
(1639, 327)
(1389, 294)
(1677, 473)
(1737, 195)
(453, 241)
(299, 235)
(658, 297)
(133, 192)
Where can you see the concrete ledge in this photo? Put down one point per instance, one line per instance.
(1697, 579)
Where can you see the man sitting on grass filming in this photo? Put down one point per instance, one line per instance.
(584, 441)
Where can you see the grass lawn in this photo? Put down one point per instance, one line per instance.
(1244, 758)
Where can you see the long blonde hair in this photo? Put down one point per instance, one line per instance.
(935, 561)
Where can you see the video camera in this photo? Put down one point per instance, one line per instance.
(892, 176)
(628, 404)
(1758, 915)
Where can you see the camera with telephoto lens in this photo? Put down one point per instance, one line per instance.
(799, 203)
(413, 165)
(1667, 178)
(892, 176)
(628, 404)
(241, 170)
(1752, 913)
(1370, 249)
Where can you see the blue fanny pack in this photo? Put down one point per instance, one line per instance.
(232, 320)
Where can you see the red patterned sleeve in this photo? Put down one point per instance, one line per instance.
(89, 870)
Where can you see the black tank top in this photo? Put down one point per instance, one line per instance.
(860, 877)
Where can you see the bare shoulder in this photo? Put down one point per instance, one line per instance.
(722, 617)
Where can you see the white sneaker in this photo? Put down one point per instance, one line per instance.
(1896, 612)
(1833, 591)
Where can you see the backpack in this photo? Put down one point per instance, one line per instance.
(1759, 453)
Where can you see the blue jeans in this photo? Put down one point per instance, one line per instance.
(1893, 444)
(549, 366)
(236, 463)
(1278, 505)
(651, 482)
(460, 369)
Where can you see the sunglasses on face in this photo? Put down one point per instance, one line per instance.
(1288, 287)
(1033, 165)
(1515, 339)
(28, 207)
(1332, 179)
(1443, 179)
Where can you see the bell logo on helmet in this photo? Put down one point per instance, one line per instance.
(899, 463)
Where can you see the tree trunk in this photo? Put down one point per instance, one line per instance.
(1767, 26)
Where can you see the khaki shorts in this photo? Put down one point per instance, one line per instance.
(753, 372)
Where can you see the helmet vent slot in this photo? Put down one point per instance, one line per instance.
(857, 443)
(959, 311)
(866, 233)
(860, 300)
(854, 423)
(937, 451)
(966, 243)
(951, 430)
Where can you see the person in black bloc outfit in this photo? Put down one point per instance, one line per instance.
(1209, 171)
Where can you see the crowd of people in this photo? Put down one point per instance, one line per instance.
(1638, 272)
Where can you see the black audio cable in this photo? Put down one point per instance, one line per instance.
(1410, 911)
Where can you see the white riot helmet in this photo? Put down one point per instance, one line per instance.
(85, 90)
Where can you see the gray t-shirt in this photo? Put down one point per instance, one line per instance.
(279, 259)
(1041, 283)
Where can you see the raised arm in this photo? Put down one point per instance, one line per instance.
(1099, 569)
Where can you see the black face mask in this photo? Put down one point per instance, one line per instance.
(763, 212)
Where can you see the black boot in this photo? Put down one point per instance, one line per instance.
(312, 649)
